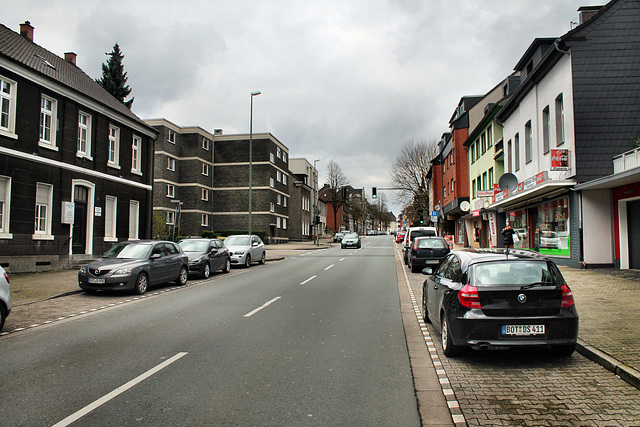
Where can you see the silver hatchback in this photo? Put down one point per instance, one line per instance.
(5, 296)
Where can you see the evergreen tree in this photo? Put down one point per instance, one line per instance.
(114, 78)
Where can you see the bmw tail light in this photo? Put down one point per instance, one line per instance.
(468, 296)
(567, 297)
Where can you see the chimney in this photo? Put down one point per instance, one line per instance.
(217, 132)
(70, 57)
(587, 12)
(26, 30)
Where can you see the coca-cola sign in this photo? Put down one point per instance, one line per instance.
(559, 160)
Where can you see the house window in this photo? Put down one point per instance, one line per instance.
(546, 129)
(110, 217)
(279, 199)
(44, 194)
(205, 169)
(516, 147)
(484, 181)
(204, 220)
(206, 143)
(48, 121)
(278, 152)
(8, 89)
(171, 163)
(490, 179)
(279, 178)
(272, 184)
(528, 148)
(5, 201)
(278, 222)
(205, 195)
(134, 217)
(284, 223)
(284, 179)
(489, 136)
(284, 201)
(509, 156)
(136, 162)
(559, 121)
(171, 190)
(272, 158)
(84, 134)
(172, 137)
(473, 153)
(171, 217)
(483, 139)
(114, 147)
(272, 207)
(473, 189)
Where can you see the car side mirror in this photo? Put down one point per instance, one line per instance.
(254, 244)
(427, 271)
(155, 256)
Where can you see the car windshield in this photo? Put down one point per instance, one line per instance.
(194, 245)
(431, 244)
(420, 233)
(237, 241)
(351, 236)
(129, 251)
(514, 273)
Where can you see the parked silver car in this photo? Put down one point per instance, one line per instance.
(135, 266)
(245, 249)
(5, 296)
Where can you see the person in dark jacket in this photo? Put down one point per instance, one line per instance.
(508, 233)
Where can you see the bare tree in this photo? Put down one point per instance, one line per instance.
(335, 181)
(410, 169)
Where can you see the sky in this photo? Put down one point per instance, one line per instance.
(343, 80)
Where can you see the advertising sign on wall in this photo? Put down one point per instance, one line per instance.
(559, 160)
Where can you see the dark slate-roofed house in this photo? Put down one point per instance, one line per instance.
(76, 165)
(572, 131)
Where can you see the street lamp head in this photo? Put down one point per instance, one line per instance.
(255, 93)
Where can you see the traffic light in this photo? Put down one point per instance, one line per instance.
(374, 192)
(316, 220)
(420, 216)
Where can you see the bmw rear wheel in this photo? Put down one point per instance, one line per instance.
(263, 258)
(448, 348)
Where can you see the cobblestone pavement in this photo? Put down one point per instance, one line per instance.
(535, 388)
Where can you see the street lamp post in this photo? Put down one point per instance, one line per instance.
(316, 213)
(251, 157)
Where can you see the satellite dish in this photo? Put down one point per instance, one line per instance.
(465, 206)
(508, 181)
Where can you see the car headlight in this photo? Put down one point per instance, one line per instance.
(83, 269)
(238, 253)
(122, 271)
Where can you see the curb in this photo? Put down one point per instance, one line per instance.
(621, 369)
(64, 294)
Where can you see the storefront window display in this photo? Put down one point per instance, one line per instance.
(552, 228)
(518, 221)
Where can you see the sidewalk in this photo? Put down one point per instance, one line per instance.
(608, 302)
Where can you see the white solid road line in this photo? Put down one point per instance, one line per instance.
(265, 305)
(84, 411)
(308, 280)
(329, 267)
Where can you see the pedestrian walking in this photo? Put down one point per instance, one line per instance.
(508, 233)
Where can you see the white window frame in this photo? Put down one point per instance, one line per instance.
(204, 220)
(206, 143)
(205, 169)
(134, 219)
(284, 223)
(171, 191)
(279, 176)
(278, 152)
(84, 135)
(278, 224)
(5, 207)
(42, 214)
(546, 130)
(8, 102)
(171, 163)
(528, 142)
(284, 178)
(205, 195)
(284, 201)
(284, 156)
(48, 117)
(114, 147)
(171, 138)
(171, 217)
(560, 135)
(110, 215)
(272, 184)
(279, 199)
(272, 207)
(136, 155)
(272, 157)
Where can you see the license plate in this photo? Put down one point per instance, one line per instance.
(522, 330)
(433, 261)
(96, 281)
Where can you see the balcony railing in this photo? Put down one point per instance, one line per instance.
(626, 161)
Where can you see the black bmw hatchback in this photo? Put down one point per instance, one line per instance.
(493, 299)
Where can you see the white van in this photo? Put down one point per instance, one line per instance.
(411, 235)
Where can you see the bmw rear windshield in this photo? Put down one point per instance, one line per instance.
(516, 273)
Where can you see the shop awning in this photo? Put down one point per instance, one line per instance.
(611, 181)
(534, 194)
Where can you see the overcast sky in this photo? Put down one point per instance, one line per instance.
(342, 80)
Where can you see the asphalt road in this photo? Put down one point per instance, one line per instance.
(314, 340)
